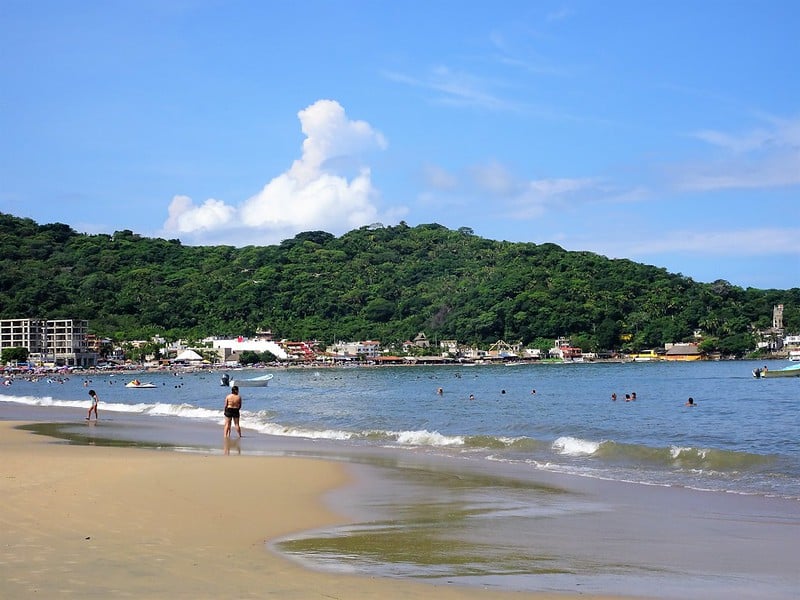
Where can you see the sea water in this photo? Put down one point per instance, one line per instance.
(742, 436)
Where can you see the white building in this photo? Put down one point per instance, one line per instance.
(226, 347)
(369, 349)
(449, 347)
(60, 342)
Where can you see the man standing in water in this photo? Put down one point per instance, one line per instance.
(233, 404)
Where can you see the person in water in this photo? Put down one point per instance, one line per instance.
(233, 404)
(690, 402)
(93, 407)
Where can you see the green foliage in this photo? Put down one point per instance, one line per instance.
(17, 354)
(375, 282)
(248, 357)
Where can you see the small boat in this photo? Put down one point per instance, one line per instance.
(138, 385)
(789, 371)
(261, 381)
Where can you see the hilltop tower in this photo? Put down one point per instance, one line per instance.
(777, 316)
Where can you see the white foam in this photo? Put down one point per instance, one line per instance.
(427, 438)
(158, 409)
(269, 428)
(572, 446)
(676, 451)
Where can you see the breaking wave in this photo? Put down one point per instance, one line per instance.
(599, 453)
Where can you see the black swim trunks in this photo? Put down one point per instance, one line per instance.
(232, 413)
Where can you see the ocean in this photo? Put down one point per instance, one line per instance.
(743, 435)
(472, 455)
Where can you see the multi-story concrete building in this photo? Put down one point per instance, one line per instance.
(369, 349)
(60, 342)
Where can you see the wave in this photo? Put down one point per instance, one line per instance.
(141, 408)
(671, 457)
(261, 422)
(421, 437)
(598, 452)
(684, 458)
(572, 446)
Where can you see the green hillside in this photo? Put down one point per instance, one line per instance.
(385, 283)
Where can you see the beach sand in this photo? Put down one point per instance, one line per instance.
(101, 522)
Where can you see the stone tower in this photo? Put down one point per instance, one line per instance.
(777, 316)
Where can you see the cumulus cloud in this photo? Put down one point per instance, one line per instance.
(327, 188)
(185, 217)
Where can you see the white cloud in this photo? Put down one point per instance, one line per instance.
(456, 88)
(761, 158)
(539, 196)
(327, 188)
(742, 242)
(495, 179)
(439, 178)
(492, 185)
(185, 217)
(546, 188)
(560, 14)
(774, 171)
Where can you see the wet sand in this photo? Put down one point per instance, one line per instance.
(190, 521)
(100, 522)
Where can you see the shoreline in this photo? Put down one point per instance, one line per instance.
(687, 535)
(92, 521)
(12, 372)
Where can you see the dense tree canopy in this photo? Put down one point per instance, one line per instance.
(376, 282)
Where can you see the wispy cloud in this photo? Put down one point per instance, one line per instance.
(522, 57)
(438, 178)
(763, 157)
(731, 243)
(539, 196)
(495, 186)
(561, 14)
(456, 88)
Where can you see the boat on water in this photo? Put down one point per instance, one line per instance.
(139, 385)
(788, 371)
(261, 381)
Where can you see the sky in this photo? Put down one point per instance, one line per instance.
(667, 133)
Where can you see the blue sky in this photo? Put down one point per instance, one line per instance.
(663, 132)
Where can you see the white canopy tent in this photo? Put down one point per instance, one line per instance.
(188, 355)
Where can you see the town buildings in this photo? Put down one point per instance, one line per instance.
(51, 342)
(67, 342)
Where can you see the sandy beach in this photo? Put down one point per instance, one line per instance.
(100, 522)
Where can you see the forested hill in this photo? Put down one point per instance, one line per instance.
(385, 283)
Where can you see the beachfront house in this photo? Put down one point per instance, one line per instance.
(368, 349)
(682, 352)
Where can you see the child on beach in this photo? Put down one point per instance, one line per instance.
(93, 407)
